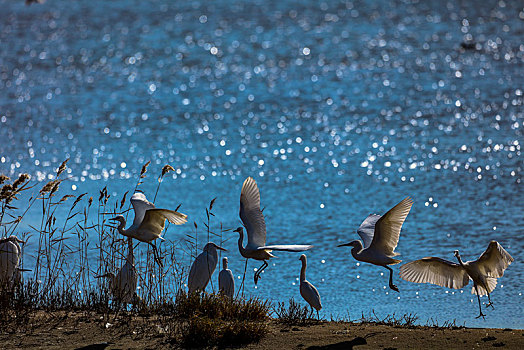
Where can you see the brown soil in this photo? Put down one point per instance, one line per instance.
(81, 330)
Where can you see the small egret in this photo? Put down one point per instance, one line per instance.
(226, 282)
(253, 220)
(10, 254)
(203, 268)
(149, 222)
(307, 290)
(380, 235)
(123, 284)
(484, 271)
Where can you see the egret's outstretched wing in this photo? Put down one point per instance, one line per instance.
(251, 215)
(310, 294)
(367, 229)
(226, 283)
(201, 272)
(140, 206)
(493, 261)
(287, 247)
(437, 271)
(172, 216)
(387, 228)
(154, 220)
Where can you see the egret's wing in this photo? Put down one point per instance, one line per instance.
(493, 261)
(200, 272)
(125, 283)
(140, 206)
(9, 259)
(172, 216)
(387, 228)
(310, 294)
(437, 271)
(367, 229)
(251, 215)
(287, 247)
(154, 222)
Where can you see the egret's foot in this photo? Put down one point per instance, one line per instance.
(491, 304)
(481, 315)
(394, 287)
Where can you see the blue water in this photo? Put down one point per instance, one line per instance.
(337, 109)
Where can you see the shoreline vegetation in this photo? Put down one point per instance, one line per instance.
(61, 302)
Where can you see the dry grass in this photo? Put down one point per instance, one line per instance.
(73, 244)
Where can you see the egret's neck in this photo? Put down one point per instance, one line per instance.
(225, 265)
(130, 255)
(303, 271)
(460, 260)
(357, 249)
(240, 247)
(121, 228)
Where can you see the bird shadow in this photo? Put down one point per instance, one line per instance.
(99, 346)
(348, 344)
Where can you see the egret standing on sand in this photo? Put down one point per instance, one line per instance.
(203, 268)
(253, 220)
(10, 254)
(307, 290)
(226, 282)
(149, 222)
(484, 271)
(380, 235)
(123, 285)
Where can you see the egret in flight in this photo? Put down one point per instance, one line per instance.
(203, 268)
(10, 253)
(484, 271)
(380, 235)
(253, 220)
(307, 290)
(149, 222)
(226, 282)
(123, 284)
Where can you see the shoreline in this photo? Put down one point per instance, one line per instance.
(76, 330)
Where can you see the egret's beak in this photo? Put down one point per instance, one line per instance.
(113, 219)
(24, 270)
(219, 247)
(344, 245)
(102, 276)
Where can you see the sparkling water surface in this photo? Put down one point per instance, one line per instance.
(338, 109)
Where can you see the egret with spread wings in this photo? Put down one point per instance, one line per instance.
(253, 220)
(380, 235)
(484, 271)
(149, 222)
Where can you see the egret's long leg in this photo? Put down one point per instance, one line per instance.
(155, 253)
(259, 271)
(391, 285)
(480, 308)
(243, 278)
(490, 303)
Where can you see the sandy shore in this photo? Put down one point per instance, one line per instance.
(79, 330)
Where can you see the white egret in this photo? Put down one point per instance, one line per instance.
(203, 268)
(123, 284)
(149, 222)
(380, 235)
(226, 281)
(307, 290)
(10, 254)
(484, 271)
(253, 220)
